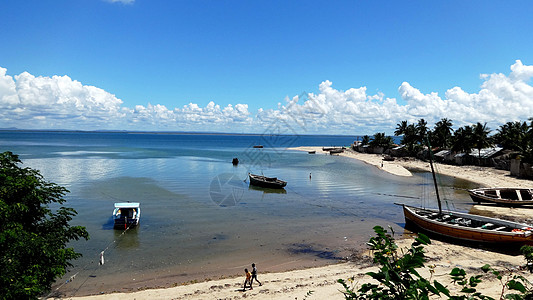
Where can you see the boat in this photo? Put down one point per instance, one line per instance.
(258, 146)
(469, 227)
(465, 226)
(505, 196)
(311, 152)
(325, 149)
(126, 214)
(388, 158)
(336, 151)
(235, 161)
(267, 182)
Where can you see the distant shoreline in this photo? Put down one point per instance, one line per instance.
(484, 176)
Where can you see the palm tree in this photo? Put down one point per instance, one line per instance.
(401, 128)
(462, 140)
(512, 135)
(442, 133)
(421, 130)
(480, 137)
(380, 140)
(366, 140)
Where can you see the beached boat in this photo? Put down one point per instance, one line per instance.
(505, 196)
(268, 182)
(327, 149)
(126, 214)
(336, 151)
(469, 227)
(465, 226)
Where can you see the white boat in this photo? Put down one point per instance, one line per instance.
(126, 214)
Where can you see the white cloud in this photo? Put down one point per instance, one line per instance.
(27, 101)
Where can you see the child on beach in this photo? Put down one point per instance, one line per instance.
(248, 280)
(254, 275)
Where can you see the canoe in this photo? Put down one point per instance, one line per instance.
(469, 227)
(268, 182)
(504, 196)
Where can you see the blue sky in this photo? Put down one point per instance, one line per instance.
(357, 67)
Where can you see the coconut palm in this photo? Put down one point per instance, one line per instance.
(480, 137)
(462, 140)
(421, 130)
(401, 128)
(380, 140)
(441, 135)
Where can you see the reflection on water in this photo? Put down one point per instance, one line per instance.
(199, 217)
(127, 239)
(267, 190)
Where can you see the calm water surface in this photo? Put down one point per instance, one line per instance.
(200, 218)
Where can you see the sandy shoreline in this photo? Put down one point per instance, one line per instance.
(322, 280)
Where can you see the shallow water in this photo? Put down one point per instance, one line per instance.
(200, 218)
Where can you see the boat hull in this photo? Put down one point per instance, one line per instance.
(522, 233)
(502, 196)
(266, 182)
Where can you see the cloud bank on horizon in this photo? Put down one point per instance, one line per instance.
(59, 102)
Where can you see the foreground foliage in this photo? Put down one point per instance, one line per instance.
(33, 238)
(398, 277)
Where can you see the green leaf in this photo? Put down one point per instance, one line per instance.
(516, 285)
(441, 288)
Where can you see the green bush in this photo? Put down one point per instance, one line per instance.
(398, 277)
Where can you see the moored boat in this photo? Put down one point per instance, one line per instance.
(465, 226)
(505, 196)
(126, 214)
(268, 182)
(469, 227)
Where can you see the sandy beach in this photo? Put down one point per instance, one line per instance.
(322, 281)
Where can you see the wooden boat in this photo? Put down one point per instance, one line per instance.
(465, 226)
(388, 158)
(126, 214)
(336, 151)
(469, 227)
(327, 149)
(505, 196)
(268, 182)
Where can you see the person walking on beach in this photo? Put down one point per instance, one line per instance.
(254, 275)
(247, 280)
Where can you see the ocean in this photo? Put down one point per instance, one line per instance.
(200, 218)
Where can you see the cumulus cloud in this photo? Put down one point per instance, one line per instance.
(27, 101)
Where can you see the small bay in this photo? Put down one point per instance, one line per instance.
(200, 218)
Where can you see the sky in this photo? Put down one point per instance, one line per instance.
(303, 67)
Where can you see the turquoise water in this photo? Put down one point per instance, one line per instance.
(200, 218)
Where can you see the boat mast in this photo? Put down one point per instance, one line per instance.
(434, 177)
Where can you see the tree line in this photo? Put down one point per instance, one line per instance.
(516, 136)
